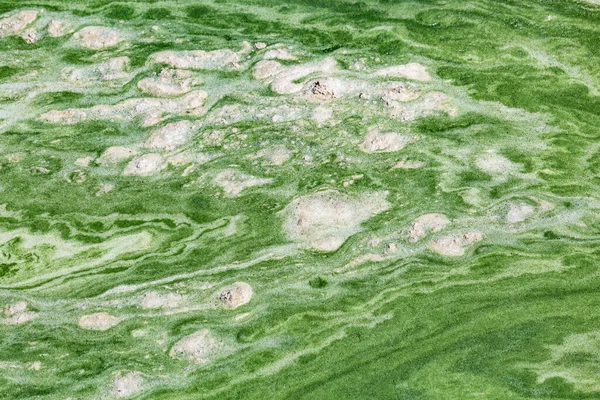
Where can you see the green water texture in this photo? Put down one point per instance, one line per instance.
(512, 152)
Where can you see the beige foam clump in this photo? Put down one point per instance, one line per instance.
(153, 300)
(16, 23)
(100, 321)
(198, 347)
(518, 212)
(150, 110)
(278, 54)
(83, 161)
(58, 28)
(233, 182)
(454, 245)
(146, 165)
(116, 154)
(16, 308)
(198, 59)
(110, 70)
(426, 224)
(170, 136)
(169, 83)
(493, 163)
(324, 220)
(236, 295)
(284, 82)
(275, 155)
(376, 142)
(157, 88)
(31, 35)
(17, 314)
(284, 79)
(413, 71)
(97, 37)
(127, 384)
(69, 116)
(395, 94)
(266, 69)
(332, 88)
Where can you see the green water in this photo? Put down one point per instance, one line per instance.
(329, 200)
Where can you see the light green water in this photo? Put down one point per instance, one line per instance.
(307, 199)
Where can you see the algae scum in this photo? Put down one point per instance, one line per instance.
(306, 199)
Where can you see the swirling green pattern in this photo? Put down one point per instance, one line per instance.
(309, 199)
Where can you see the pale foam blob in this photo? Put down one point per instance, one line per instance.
(116, 154)
(127, 384)
(278, 54)
(275, 155)
(153, 299)
(146, 165)
(425, 224)
(169, 83)
(266, 69)
(454, 245)
(284, 78)
(236, 295)
(518, 212)
(100, 321)
(97, 37)
(198, 347)
(412, 71)
(58, 28)
(170, 136)
(150, 110)
(493, 163)
(16, 23)
(332, 88)
(17, 314)
(233, 182)
(324, 220)
(376, 142)
(198, 59)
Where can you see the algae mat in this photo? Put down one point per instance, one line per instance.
(307, 199)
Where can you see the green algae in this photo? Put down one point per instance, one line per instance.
(380, 316)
